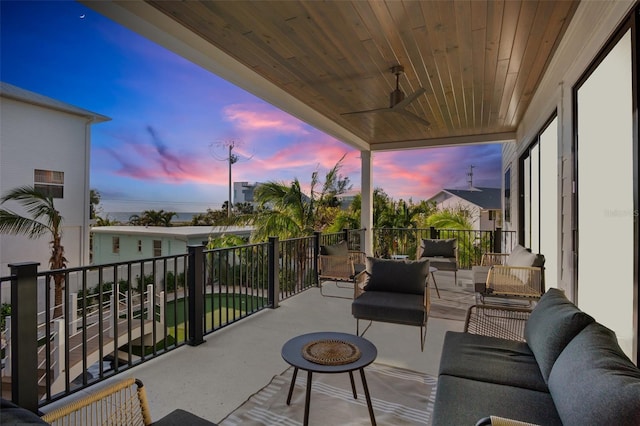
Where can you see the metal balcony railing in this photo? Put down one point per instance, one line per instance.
(115, 316)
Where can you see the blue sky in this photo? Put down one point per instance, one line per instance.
(170, 119)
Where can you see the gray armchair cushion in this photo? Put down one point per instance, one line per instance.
(551, 326)
(594, 383)
(339, 249)
(439, 248)
(397, 276)
(399, 308)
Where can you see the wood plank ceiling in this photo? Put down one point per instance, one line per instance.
(479, 62)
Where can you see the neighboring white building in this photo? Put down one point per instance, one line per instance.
(485, 205)
(46, 143)
(243, 192)
(113, 244)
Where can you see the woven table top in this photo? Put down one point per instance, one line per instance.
(331, 352)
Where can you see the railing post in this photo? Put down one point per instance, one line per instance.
(433, 233)
(274, 272)
(24, 351)
(196, 295)
(316, 253)
(497, 240)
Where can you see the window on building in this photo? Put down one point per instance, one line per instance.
(157, 248)
(49, 182)
(139, 246)
(115, 245)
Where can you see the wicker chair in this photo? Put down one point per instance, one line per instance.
(393, 291)
(338, 264)
(122, 403)
(519, 274)
(504, 322)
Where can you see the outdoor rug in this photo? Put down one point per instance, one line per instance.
(452, 304)
(398, 396)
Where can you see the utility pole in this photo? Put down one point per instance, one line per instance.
(231, 158)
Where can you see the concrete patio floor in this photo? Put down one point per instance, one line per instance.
(214, 378)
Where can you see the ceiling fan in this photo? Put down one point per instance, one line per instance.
(397, 100)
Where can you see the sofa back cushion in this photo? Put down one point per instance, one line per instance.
(594, 383)
(552, 324)
(339, 249)
(399, 276)
(438, 248)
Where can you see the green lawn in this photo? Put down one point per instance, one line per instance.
(219, 308)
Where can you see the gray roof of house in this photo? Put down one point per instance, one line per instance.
(10, 91)
(485, 198)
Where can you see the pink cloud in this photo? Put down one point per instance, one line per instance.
(252, 117)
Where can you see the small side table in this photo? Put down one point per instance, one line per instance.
(292, 353)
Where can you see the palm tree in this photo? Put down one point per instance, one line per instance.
(43, 218)
(152, 218)
(287, 212)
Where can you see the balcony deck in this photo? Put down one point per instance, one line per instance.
(212, 379)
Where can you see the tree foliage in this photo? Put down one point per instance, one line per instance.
(152, 218)
(42, 218)
(287, 212)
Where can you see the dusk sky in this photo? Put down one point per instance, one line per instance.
(162, 148)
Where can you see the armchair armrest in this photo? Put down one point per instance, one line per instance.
(497, 321)
(360, 282)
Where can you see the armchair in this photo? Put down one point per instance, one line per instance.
(519, 274)
(393, 291)
(442, 254)
(339, 264)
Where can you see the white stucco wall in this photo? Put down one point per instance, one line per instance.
(37, 137)
(594, 23)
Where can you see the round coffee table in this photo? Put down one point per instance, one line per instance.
(292, 353)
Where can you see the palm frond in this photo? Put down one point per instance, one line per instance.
(13, 223)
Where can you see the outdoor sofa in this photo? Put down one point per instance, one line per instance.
(570, 371)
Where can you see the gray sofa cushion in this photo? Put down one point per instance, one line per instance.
(443, 248)
(551, 326)
(397, 276)
(594, 383)
(490, 359)
(462, 402)
(400, 308)
(339, 249)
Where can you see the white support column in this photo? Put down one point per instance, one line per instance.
(73, 314)
(366, 214)
(113, 309)
(161, 300)
(6, 371)
(59, 349)
(151, 302)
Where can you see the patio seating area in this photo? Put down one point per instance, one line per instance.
(214, 378)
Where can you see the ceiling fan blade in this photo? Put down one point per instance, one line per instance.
(414, 117)
(406, 101)
(365, 111)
